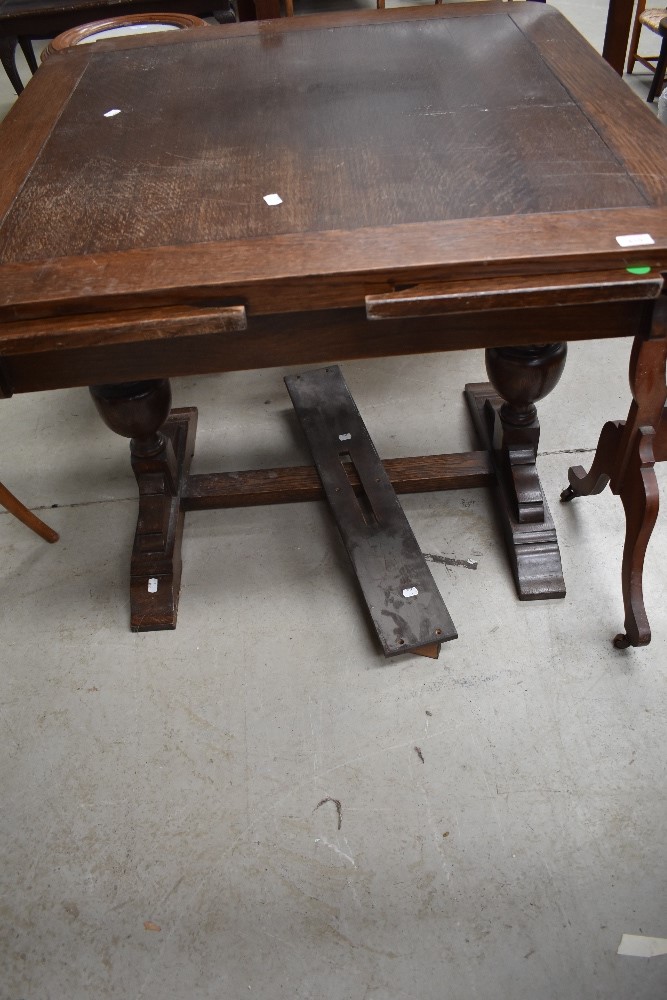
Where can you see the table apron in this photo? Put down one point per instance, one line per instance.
(315, 338)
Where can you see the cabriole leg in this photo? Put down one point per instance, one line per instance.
(625, 456)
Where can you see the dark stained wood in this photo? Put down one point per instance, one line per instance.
(212, 491)
(129, 327)
(204, 178)
(660, 442)
(624, 458)
(8, 60)
(312, 338)
(161, 454)
(512, 293)
(136, 410)
(521, 376)
(640, 499)
(35, 118)
(579, 69)
(329, 270)
(403, 160)
(617, 32)
(586, 484)
(6, 386)
(266, 8)
(532, 544)
(404, 603)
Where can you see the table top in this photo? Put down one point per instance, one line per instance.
(407, 145)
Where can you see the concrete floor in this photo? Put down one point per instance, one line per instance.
(160, 833)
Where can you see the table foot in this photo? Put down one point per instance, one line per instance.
(625, 457)
(161, 450)
(532, 544)
(155, 574)
(640, 498)
(639, 494)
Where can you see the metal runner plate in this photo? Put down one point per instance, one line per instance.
(406, 607)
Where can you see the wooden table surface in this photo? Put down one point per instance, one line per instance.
(431, 161)
(402, 148)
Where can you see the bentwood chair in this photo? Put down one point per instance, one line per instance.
(127, 25)
(15, 507)
(7, 50)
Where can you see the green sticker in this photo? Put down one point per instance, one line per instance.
(638, 270)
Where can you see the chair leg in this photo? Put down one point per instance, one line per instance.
(659, 75)
(634, 37)
(28, 52)
(15, 507)
(7, 50)
(289, 8)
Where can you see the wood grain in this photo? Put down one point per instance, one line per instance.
(27, 127)
(373, 124)
(641, 148)
(316, 338)
(331, 270)
(129, 327)
(299, 484)
(513, 293)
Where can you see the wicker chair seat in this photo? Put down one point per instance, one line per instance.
(651, 18)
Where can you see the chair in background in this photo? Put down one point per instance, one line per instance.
(7, 50)
(24, 20)
(114, 26)
(15, 507)
(655, 19)
(380, 4)
(289, 6)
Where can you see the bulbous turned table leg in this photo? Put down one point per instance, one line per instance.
(161, 450)
(506, 422)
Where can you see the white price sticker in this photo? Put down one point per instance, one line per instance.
(635, 240)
